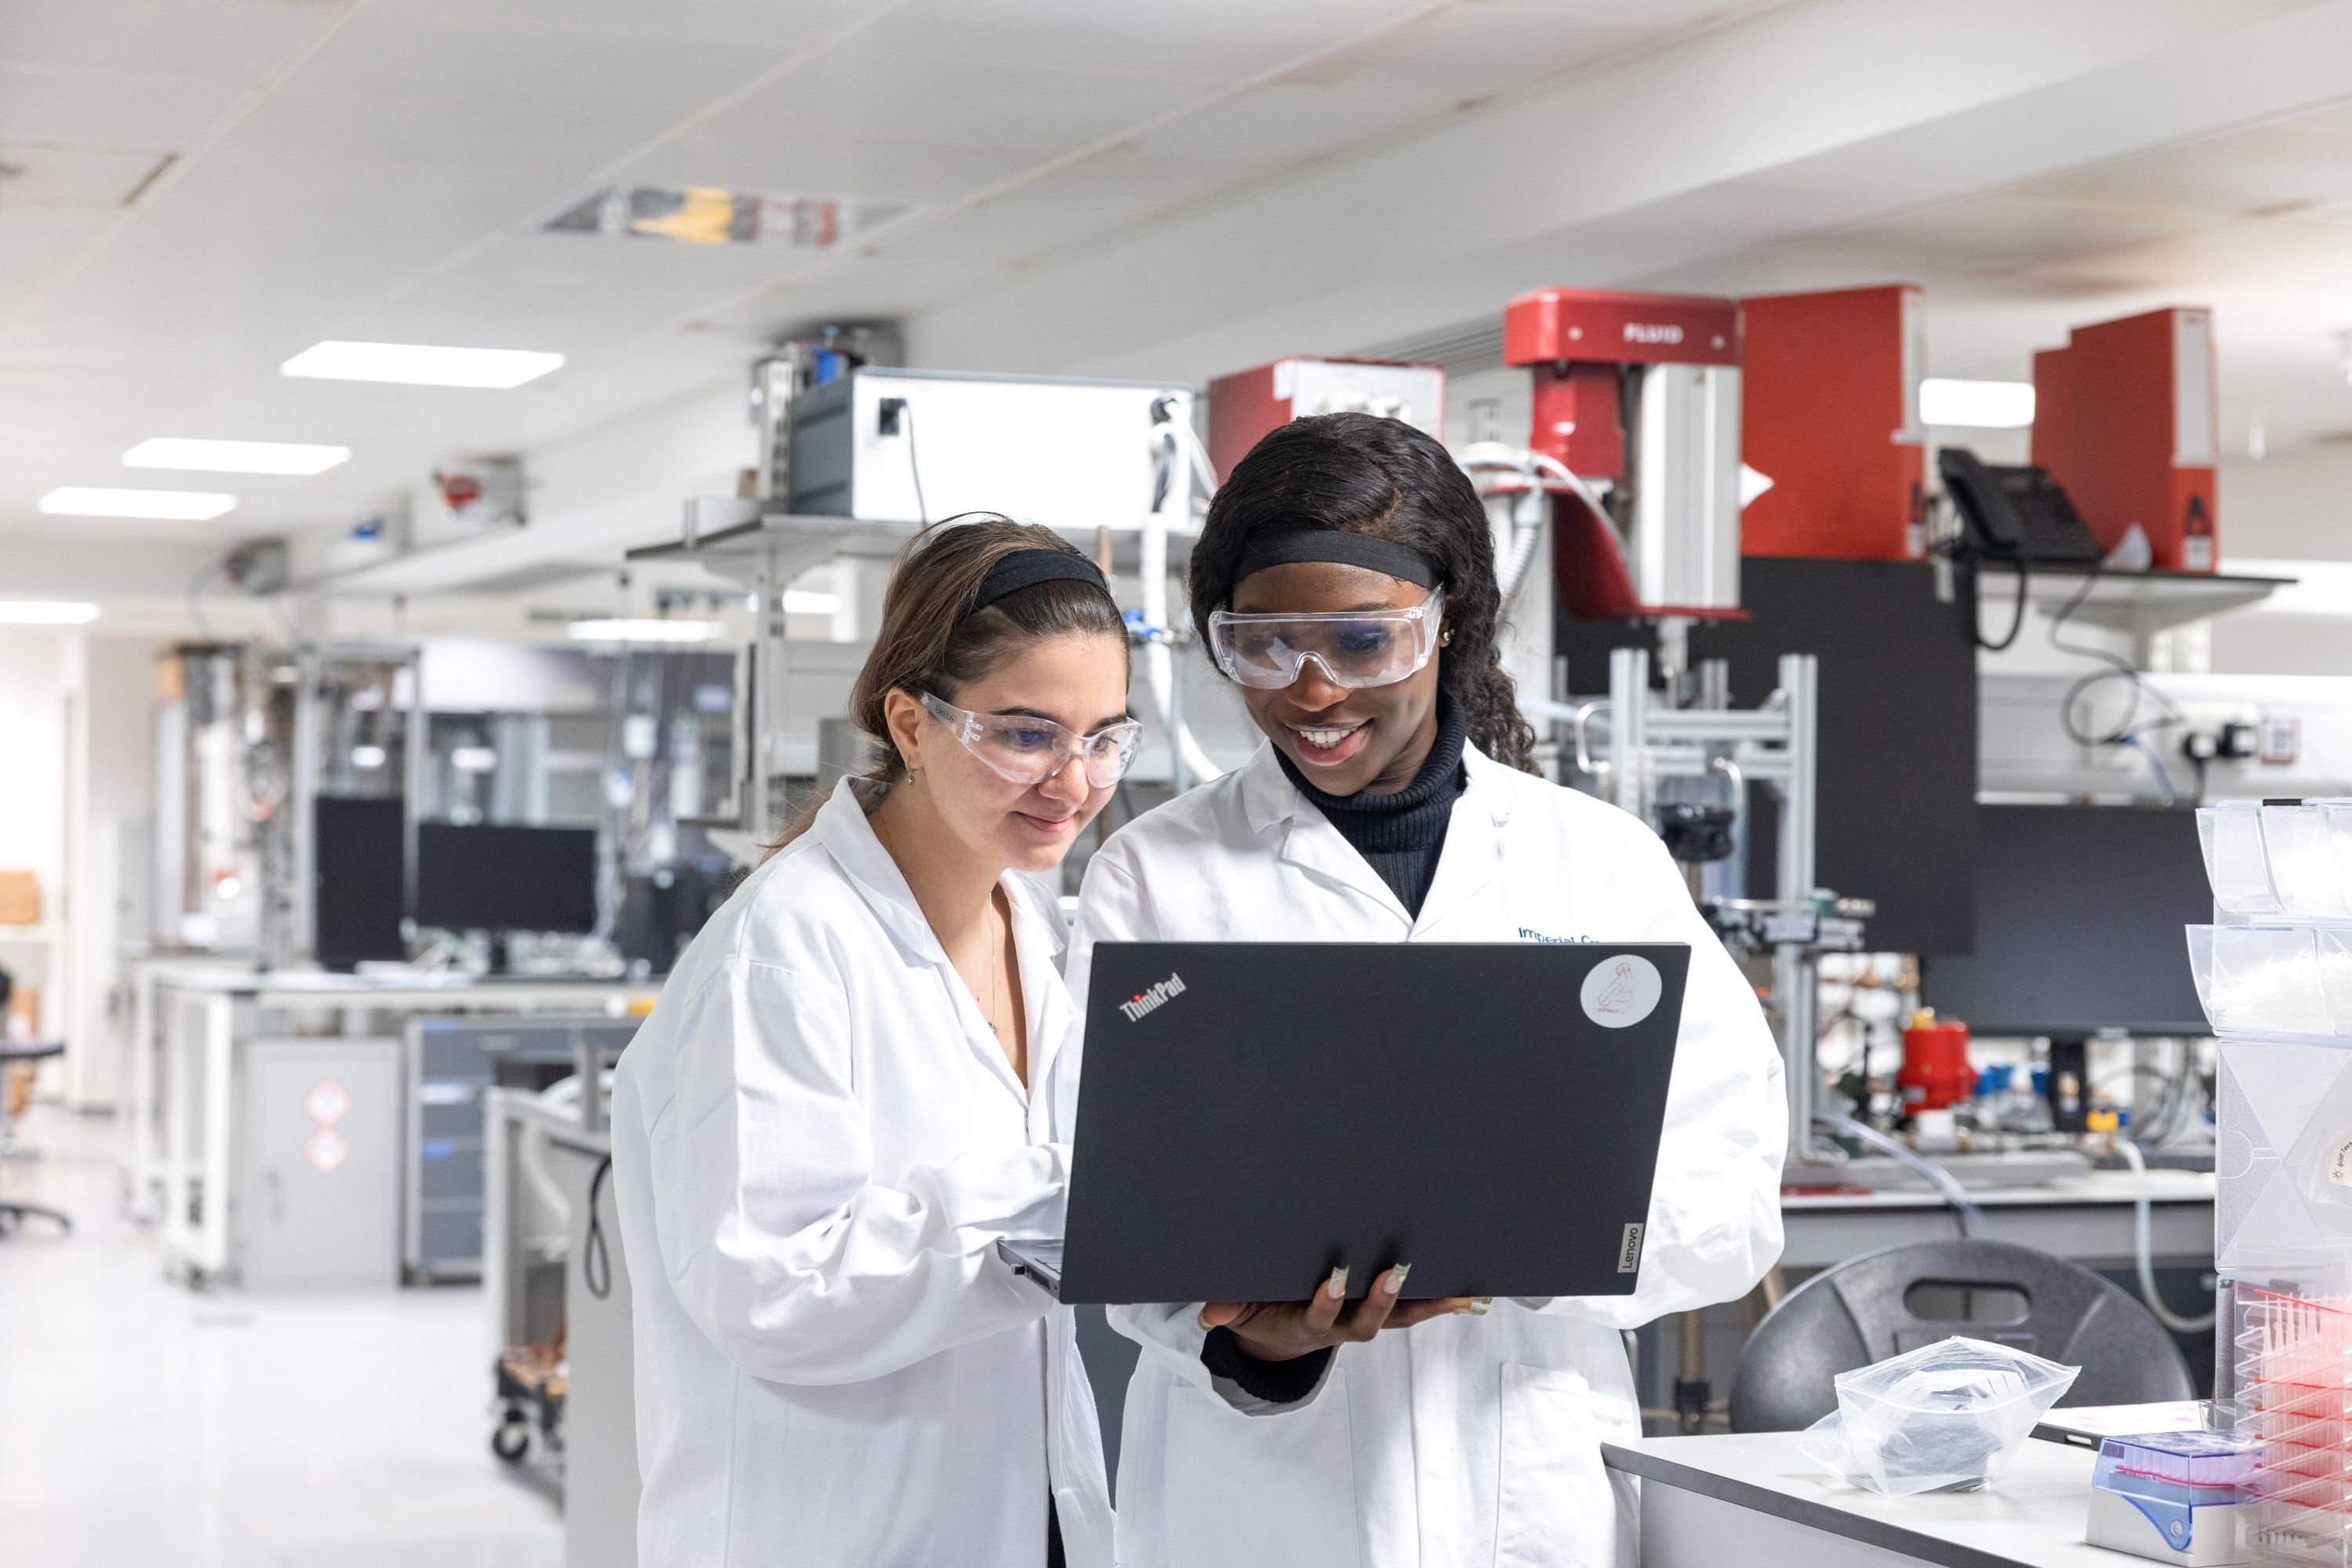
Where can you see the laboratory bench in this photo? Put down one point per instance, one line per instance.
(2088, 1218)
(217, 1046)
(1757, 1495)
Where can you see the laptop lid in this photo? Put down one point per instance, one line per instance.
(1254, 1114)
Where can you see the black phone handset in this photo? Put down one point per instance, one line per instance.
(1987, 511)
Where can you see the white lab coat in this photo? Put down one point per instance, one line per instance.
(816, 1144)
(1462, 1440)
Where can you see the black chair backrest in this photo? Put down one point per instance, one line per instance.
(1883, 1303)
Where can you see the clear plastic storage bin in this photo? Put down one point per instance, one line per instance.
(2290, 859)
(2273, 980)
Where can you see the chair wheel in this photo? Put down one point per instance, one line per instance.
(511, 1440)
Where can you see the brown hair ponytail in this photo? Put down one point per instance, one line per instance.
(926, 643)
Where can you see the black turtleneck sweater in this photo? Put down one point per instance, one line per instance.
(1401, 837)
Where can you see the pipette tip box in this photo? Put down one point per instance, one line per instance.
(2173, 1496)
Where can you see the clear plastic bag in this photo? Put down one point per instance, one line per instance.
(1943, 1418)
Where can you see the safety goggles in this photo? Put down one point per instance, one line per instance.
(1030, 750)
(1352, 648)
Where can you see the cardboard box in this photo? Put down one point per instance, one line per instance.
(20, 899)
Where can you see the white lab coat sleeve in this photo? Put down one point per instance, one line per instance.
(1114, 907)
(1715, 1212)
(777, 1240)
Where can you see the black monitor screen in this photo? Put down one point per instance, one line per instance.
(361, 879)
(505, 879)
(2079, 917)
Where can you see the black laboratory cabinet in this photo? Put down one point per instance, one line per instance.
(1897, 819)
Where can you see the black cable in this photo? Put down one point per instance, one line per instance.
(2118, 669)
(2017, 616)
(596, 1258)
(914, 466)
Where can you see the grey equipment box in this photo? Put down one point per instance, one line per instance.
(451, 1061)
(319, 1205)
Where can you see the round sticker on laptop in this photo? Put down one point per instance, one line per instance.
(1621, 991)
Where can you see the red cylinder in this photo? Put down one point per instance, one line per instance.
(1936, 1072)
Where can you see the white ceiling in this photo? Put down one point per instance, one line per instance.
(1102, 185)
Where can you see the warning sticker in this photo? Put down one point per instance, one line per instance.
(328, 1103)
(326, 1149)
(1623, 991)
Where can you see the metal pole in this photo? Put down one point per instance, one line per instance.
(1629, 708)
(1793, 979)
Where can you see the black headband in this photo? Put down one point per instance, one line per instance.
(1026, 569)
(1339, 548)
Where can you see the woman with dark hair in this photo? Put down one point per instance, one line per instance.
(1345, 581)
(853, 1087)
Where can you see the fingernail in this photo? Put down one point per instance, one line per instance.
(1339, 1286)
(1396, 1279)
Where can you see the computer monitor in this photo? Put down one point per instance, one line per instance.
(2080, 911)
(360, 858)
(502, 878)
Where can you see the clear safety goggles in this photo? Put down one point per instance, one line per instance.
(1030, 750)
(1352, 648)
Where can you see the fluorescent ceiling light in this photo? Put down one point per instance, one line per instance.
(808, 602)
(620, 629)
(1983, 405)
(46, 613)
(420, 364)
(185, 506)
(235, 457)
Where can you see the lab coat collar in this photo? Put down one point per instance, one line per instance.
(1474, 836)
(843, 828)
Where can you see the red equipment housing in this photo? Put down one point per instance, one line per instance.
(1829, 413)
(2124, 420)
(1936, 1074)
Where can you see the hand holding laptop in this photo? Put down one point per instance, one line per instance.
(1284, 1331)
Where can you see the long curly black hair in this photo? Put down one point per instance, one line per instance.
(1362, 474)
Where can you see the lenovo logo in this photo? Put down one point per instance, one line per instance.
(1629, 1251)
(1148, 1002)
(1653, 332)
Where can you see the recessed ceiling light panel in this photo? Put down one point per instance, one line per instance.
(705, 214)
(235, 457)
(177, 506)
(421, 364)
(46, 613)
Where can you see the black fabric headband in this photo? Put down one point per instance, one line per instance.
(1026, 569)
(1339, 548)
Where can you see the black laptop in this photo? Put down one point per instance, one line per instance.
(1254, 1114)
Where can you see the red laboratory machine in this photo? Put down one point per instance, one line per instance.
(2124, 420)
(1244, 406)
(1636, 396)
(1830, 418)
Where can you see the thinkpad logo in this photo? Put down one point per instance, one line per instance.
(1151, 1001)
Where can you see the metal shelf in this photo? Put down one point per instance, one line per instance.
(2140, 603)
(738, 542)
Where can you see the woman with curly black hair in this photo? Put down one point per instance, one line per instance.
(1345, 581)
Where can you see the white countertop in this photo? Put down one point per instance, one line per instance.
(2093, 1187)
(2032, 1513)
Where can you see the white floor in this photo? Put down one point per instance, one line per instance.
(143, 1426)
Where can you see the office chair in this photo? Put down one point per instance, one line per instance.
(14, 1214)
(1879, 1305)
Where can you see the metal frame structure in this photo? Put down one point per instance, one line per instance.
(1775, 745)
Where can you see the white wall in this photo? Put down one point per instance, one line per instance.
(36, 666)
(112, 799)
